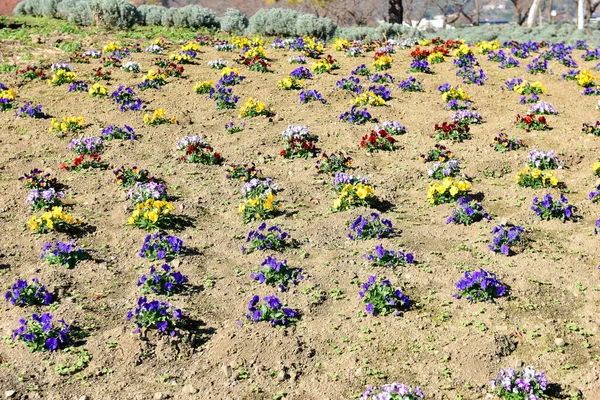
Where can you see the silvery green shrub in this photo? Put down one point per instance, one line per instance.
(119, 14)
(233, 21)
(194, 16)
(36, 7)
(151, 14)
(75, 11)
(311, 25)
(167, 17)
(274, 22)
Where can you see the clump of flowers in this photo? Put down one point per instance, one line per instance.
(536, 178)
(258, 187)
(290, 83)
(596, 168)
(382, 78)
(160, 246)
(524, 87)
(594, 195)
(127, 100)
(53, 220)
(503, 143)
(30, 73)
(468, 212)
(382, 63)
(155, 315)
(89, 145)
(164, 282)
(591, 129)
(131, 66)
(505, 237)
(142, 191)
(223, 97)
(543, 160)
(36, 179)
(64, 254)
(264, 239)
(466, 117)
(198, 151)
(389, 258)
(438, 153)
(308, 96)
(153, 80)
(451, 131)
(341, 179)
(393, 391)
(28, 110)
(116, 132)
(218, 64)
(452, 93)
(159, 117)
(62, 76)
(351, 84)
(230, 77)
(374, 226)
(377, 140)
(68, 124)
(151, 215)
(548, 208)
(258, 208)
(447, 191)
(272, 310)
(203, 87)
(411, 84)
(98, 75)
(542, 108)
(514, 384)
(231, 128)
(355, 116)
(40, 334)
(417, 65)
(530, 122)
(479, 286)
(382, 298)
(334, 162)
(537, 66)
(440, 171)
(22, 293)
(253, 108)
(277, 273)
(127, 177)
(243, 172)
(44, 199)
(361, 70)
(351, 196)
(585, 79)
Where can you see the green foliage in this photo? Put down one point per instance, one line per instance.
(193, 16)
(233, 21)
(311, 25)
(381, 32)
(151, 15)
(119, 14)
(75, 11)
(274, 22)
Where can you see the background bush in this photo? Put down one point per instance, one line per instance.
(273, 22)
(151, 14)
(281, 22)
(75, 11)
(193, 16)
(311, 25)
(119, 14)
(233, 21)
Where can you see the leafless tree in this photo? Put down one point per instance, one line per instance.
(521, 10)
(452, 10)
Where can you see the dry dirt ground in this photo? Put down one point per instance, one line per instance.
(449, 347)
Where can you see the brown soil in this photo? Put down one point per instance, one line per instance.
(448, 346)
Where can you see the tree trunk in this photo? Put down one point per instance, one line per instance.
(533, 13)
(477, 12)
(580, 14)
(395, 11)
